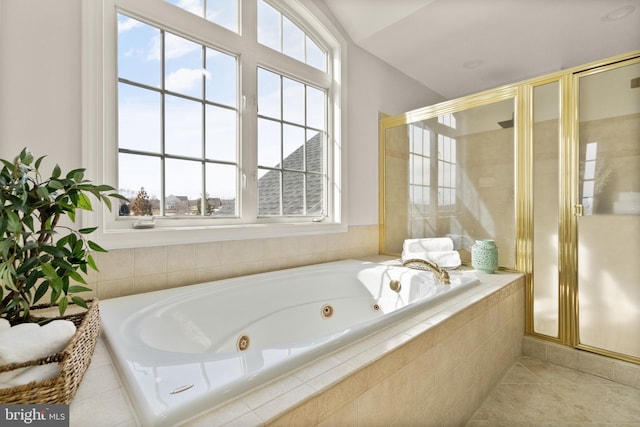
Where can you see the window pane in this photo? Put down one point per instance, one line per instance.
(315, 108)
(268, 26)
(139, 116)
(220, 12)
(293, 147)
(269, 101)
(223, 13)
(292, 40)
(315, 56)
(293, 193)
(194, 6)
(269, 192)
(589, 170)
(183, 186)
(183, 126)
(183, 66)
(416, 170)
(293, 101)
(221, 78)
(315, 152)
(315, 194)
(268, 143)
(136, 173)
(221, 131)
(221, 189)
(138, 52)
(447, 176)
(426, 171)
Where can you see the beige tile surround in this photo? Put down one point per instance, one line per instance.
(131, 271)
(415, 370)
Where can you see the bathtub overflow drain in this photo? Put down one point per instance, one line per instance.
(327, 311)
(243, 343)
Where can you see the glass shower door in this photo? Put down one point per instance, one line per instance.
(609, 210)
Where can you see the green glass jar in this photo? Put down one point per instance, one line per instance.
(484, 256)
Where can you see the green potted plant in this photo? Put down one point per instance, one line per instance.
(38, 252)
(43, 254)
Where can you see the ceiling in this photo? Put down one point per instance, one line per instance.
(459, 47)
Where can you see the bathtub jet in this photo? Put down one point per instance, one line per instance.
(183, 351)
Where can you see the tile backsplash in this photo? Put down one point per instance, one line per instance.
(131, 271)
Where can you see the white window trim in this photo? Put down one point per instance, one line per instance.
(99, 151)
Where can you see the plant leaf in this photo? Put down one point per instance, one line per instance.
(42, 289)
(96, 247)
(62, 307)
(13, 222)
(92, 263)
(77, 288)
(87, 230)
(84, 202)
(79, 301)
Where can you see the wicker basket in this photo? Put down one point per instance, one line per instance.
(73, 360)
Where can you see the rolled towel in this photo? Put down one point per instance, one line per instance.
(4, 324)
(28, 341)
(444, 259)
(35, 373)
(7, 338)
(427, 245)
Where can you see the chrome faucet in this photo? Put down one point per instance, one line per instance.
(440, 273)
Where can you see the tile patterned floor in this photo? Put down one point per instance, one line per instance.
(536, 393)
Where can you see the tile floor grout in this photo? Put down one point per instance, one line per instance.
(542, 394)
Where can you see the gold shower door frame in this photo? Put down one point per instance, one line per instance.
(568, 164)
(572, 208)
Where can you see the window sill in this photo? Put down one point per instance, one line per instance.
(162, 236)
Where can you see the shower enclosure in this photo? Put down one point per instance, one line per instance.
(550, 169)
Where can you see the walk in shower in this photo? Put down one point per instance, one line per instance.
(550, 169)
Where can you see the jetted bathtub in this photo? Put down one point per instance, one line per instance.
(185, 350)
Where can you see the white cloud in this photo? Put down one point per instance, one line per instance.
(184, 79)
(125, 24)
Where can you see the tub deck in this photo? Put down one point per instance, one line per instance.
(267, 403)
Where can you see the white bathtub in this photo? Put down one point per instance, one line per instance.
(185, 350)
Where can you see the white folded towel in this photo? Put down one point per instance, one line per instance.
(28, 341)
(444, 259)
(34, 373)
(4, 324)
(428, 244)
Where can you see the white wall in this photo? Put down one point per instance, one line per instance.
(40, 101)
(374, 87)
(40, 80)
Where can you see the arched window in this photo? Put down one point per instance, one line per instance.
(224, 117)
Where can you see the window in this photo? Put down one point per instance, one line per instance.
(216, 119)
(419, 179)
(432, 174)
(291, 147)
(278, 32)
(177, 135)
(446, 174)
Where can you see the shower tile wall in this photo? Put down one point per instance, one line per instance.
(131, 271)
